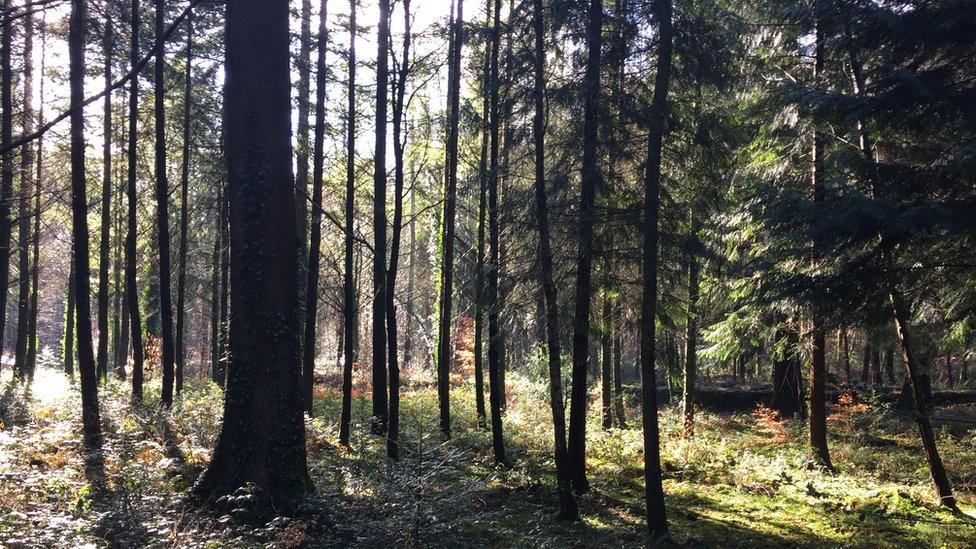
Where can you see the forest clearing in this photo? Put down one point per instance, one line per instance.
(506, 273)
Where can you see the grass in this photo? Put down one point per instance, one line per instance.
(744, 480)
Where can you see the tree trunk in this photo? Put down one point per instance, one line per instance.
(606, 365)
(215, 312)
(846, 345)
(657, 522)
(6, 164)
(491, 298)
(399, 141)
(79, 225)
(691, 346)
(315, 239)
(618, 393)
(68, 346)
(106, 203)
(22, 364)
(302, 149)
(262, 439)
(590, 179)
(818, 362)
(479, 295)
(162, 212)
(444, 355)
(131, 289)
(184, 205)
(380, 395)
(786, 389)
(866, 365)
(889, 365)
(568, 508)
(348, 288)
(33, 338)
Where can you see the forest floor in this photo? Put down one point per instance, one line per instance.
(744, 481)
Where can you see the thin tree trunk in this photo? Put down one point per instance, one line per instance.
(444, 355)
(223, 336)
(494, 342)
(315, 239)
(302, 149)
(22, 363)
(657, 523)
(568, 508)
(131, 290)
(262, 439)
(215, 312)
(348, 289)
(106, 203)
(162, 213)
(408, 340)
(618, 393)
(79, 225)
(589, 180)
(399, 139)
(184, 209)
(846, 345)
(68, 346)
(691, 345)
(606, 365)
(39, 172)
(6, 163)
(479, 291)
(380, 395)
(818, 362)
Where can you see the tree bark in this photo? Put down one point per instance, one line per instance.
(184, 209)
(262, 439)
(162, 213)
(399, 139)
(568, 508)
(315, 238)
(131, 289)
(22, 362)
(6, 163)
(606, 364)
(348, 283)
(618, 392)
(495, 394)
(589, 181)
(302, 149)
(479, 295)
(444, 355)
(79, 226)
(690, 374)
(380, 394)
(657, 523)
(106, 203)
(38, 175)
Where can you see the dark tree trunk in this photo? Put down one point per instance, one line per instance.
(399, 139)
(657, 522)
(876, 378)
(618, 393)
(119, 341)
(589, 181)
(106, 203)
(6, 164)
(22, 363)
(866, 364)
(79, 225)
(215, 313)
(162, 212)
(302, 149)
(184, 209)
(315, 239)
(68, 346)
(606, 364)
(348, 282)
(444, 355)
(846, 346)
(919, 401)
(787, 390)
(690, 374)
(568, 508)
(889, 365)
(495, 394)
(131, 290)
(223, 336)
(479, 290)
(412, 252)
(380, 400)
(818, 362)
(262, 439)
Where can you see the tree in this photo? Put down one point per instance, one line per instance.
(22, 365)
(589, 181)
(314, 245)
(106, 202)
(444, 355)
(567, 503)
(348, 287)
(79, 226)
(691, 345)
(657, 522)
(378, 422)
(262, 438)
(495, 394)
(162, 209)
(131, 290)
(180, 350)
(6, 162)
